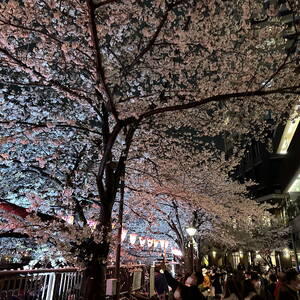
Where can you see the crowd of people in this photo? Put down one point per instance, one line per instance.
(222, 284)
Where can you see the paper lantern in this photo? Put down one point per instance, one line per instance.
(166, 244)
(162, 244)
(150, 243)
(142, 241)
(123, 235)
(132, 238)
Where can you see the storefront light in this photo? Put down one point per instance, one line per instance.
(289, 131)
(286, 252)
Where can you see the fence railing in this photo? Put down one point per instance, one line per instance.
(41, 284)
(132, 278)
(66, 284)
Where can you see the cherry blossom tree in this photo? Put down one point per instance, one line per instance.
(208, 199)
(88, 87)
(205, 198)
(268, 236)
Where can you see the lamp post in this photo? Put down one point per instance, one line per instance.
(191, 232)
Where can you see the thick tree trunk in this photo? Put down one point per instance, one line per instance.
(95, 275)
(95, 281)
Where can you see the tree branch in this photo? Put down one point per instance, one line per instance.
(122, 161)
(51, 82)
(154, 37)
(69, 182)
(178, 219)
(218, 98)
(102, 3)
(12, 234)
(108, 147)
(40, 171)
(98, 60)
(49, 36)
(44, 125)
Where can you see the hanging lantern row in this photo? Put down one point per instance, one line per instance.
(149, 242)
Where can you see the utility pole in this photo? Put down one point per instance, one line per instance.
(295, 251)
(119, 239)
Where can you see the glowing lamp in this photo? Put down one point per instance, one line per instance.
(191, 231)
(286, 252)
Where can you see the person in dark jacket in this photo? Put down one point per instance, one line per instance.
(270, 289)
(182, 291)
(160, 283)
(233, 289)
(216, 282)
(279, 283)
(251, 286)
(290, 287)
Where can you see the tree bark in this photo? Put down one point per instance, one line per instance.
(94, 281)
(95, 274)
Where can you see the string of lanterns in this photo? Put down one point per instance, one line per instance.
(149, 242)
(133, 237)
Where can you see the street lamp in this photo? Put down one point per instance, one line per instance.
(191, 232)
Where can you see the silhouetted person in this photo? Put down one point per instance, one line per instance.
(290, 287)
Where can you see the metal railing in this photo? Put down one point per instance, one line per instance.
(66, 284)
(41, 284)
(132, 278)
